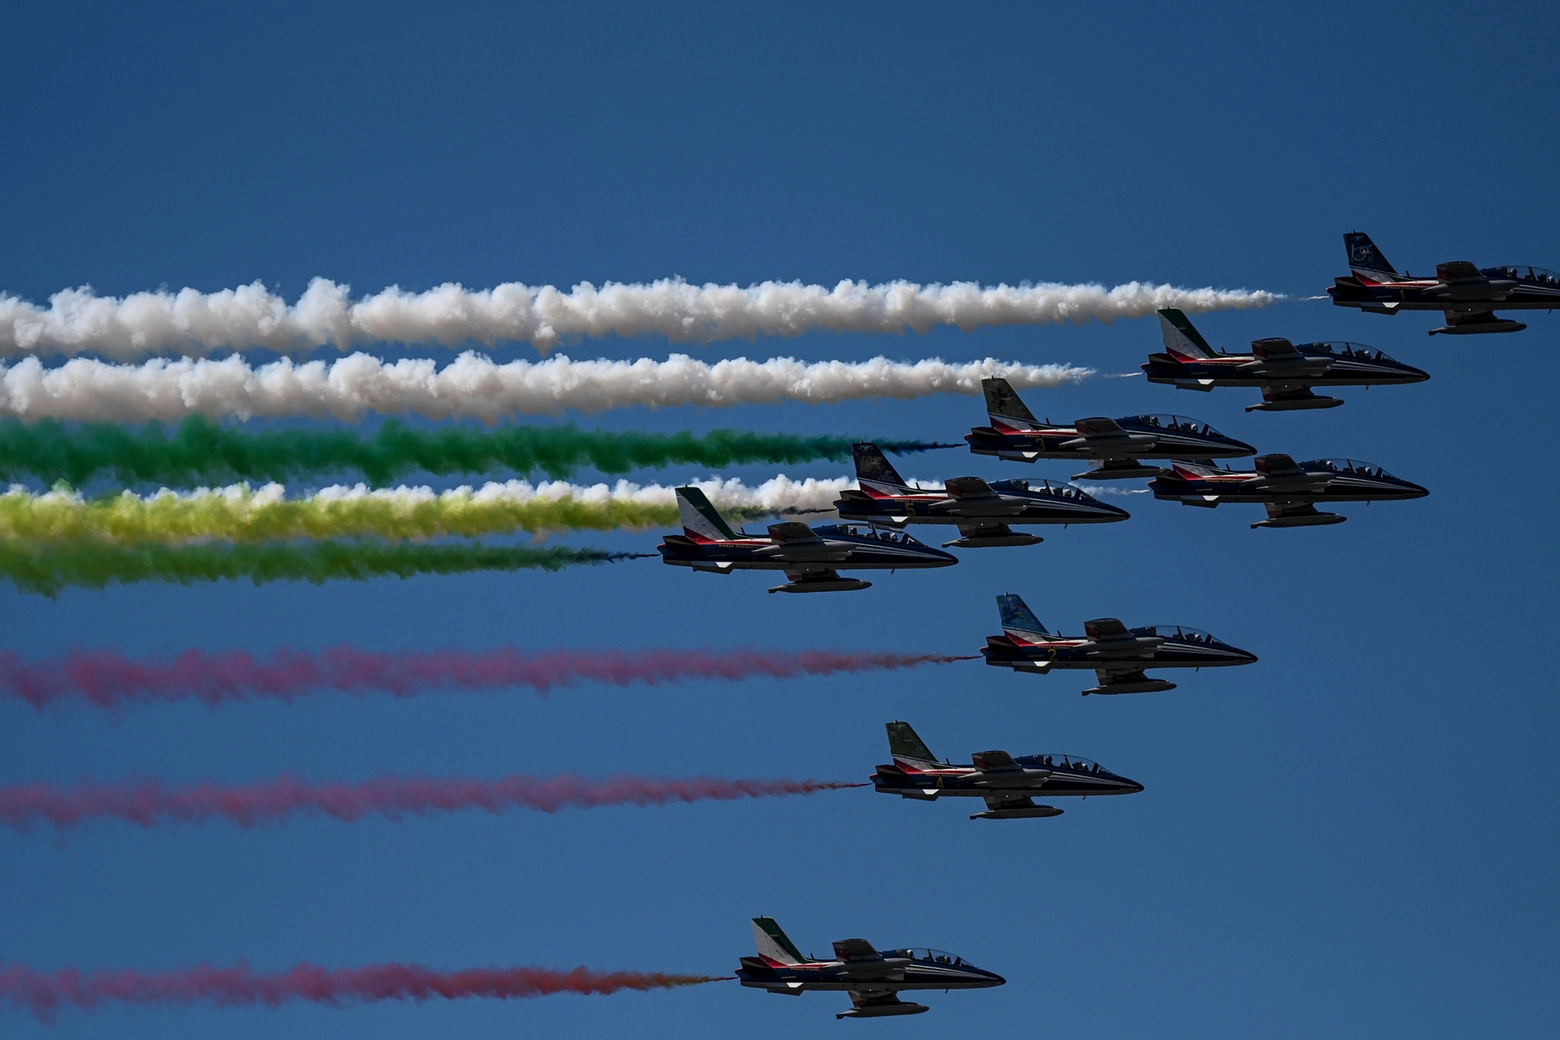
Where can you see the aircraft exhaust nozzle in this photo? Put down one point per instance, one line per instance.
(1028, 812)
(1307, 520)
(841, 585)
(992, 541)
(883, 1010)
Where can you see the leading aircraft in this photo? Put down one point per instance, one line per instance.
(1117, 654)
(1007, 783)
(1468, 295)
(811, 557)
(1112, 446)
(1285, 372)
(1288, 488)
(981, 510)
(872, 979)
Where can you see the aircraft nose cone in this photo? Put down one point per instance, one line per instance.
(1132, 786)
(1415, 491)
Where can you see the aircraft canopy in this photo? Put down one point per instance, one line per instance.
(1180, 423)
(1071, 491)
(1364, 469)
(927, 955)
(1343, 348)
(868, 531)
(1524, 272)
(1181, 633)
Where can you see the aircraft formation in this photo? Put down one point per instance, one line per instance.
(1182, 458)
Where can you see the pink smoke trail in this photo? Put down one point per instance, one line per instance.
(44, 993)
(149, 802)
(111, 680)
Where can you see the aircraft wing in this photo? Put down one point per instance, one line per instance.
(965, 488)
(1459, 271)
(796, 542)
(1009, 801)
(854, 950)
(879, 1002)
(1105, 628)
(1275, 349)
(995, 762)
(1270, 466)
(1099, 427)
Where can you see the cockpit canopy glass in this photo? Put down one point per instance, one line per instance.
(1074, 762)
(1343, 348)
(877, 534)
(1179, 423)
(1363, 469)
(1071, 492)
(1523, 272)
(927, 956)
(1180, 633)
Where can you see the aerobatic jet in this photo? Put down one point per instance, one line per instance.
(1112, 446)
(981, 510)
(1008, 784)
(1117, 654)
(872, 979)
(811, 557)
(1288, 488)
(1466, 294)
(1285, 372)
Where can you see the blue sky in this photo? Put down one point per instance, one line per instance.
(1354, 837)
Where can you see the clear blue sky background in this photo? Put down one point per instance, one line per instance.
(1356, 837)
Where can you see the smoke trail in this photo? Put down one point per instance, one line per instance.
(475, 387)
(48, 569)
(149, 802)
(44, 993)
(203, 452)
(241, 514)
(111, 680)
(194, 323)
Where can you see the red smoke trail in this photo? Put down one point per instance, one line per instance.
(149, 802)
(240, 986)
(110, 679)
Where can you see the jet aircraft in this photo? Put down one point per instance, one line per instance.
(1117, 654)
(811, 557)
(1112, 446)
(1007, 783)
(1288, 488)
(1468, 295)
(1285, 372)
(982, 511)
(872, 979)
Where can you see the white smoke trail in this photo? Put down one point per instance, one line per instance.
(474, 386)
(194, 323)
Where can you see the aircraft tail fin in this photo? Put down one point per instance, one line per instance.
(1365, 259)
(773, 944)
(906, 746)
(1005, 408)
(873, 467)
(701, 521)
(1181, 337)
(1017, 617)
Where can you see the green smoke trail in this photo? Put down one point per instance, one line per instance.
(48, 569)
(241, 514)
(202, 452)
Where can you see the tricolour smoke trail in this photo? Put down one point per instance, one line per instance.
(150, 802)
(195, 323)
(241, 514)
(201, 452)
(110, 680)
(475, 387)
(45, 993)
(49, 568)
